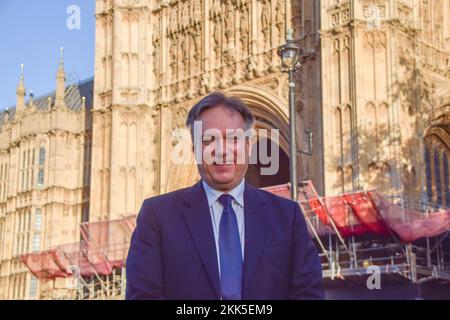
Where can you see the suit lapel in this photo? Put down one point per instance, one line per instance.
(255, 230)
(198, 219)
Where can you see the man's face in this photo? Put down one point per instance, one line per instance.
(224, 148)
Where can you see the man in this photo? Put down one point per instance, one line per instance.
(222, 238)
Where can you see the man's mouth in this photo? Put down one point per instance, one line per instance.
(222, 164)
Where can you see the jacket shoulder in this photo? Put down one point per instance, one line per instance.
(166, 198)
(273, 198)
(280, 211)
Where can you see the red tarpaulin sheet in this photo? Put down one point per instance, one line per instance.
(83, 258)
(364, 212)
(42, 265)
(343, 214)
(103, 247)
(411, 225)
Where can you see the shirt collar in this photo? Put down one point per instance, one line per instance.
(237, 192)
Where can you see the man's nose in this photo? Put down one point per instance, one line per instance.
(224, 149)
(220, 148)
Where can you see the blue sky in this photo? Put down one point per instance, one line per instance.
(31, 32)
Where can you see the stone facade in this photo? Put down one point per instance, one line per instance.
(373, 90)
(382, 83)
(44, 178)
(372, 77)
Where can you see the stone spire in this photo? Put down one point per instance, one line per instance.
(60, 82)
(20, 92)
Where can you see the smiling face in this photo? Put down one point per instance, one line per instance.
(224, 155)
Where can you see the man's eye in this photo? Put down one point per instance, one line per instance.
(209, 139)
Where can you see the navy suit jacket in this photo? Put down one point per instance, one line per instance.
(173, 255)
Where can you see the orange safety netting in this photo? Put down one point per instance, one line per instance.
(369, 212)
(103, 248)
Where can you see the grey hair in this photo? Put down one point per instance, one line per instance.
(217, 99)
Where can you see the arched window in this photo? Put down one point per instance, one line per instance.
(41, 156)
(33, 287)
(428, 174)
(41, 168)
(437, 177)
(38, 219)
(40, 177)
(446, 181)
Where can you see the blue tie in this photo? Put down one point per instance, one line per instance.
(230, 252)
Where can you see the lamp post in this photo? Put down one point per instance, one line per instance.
(290, 53)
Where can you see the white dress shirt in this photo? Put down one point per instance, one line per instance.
(216, 210)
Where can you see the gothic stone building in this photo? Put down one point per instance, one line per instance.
(374, 91)
(44, 177)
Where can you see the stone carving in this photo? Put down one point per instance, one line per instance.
(204, 84)
(280, 18)
(179, 118)
(217, 36)
(229, 22)
(244, 29)
(196, 50)
(184, 48)
(173, 56)
(265, 20)
(271, 84)
(216, 8)
(173, 21)
(185, 15)
(252, 68)
(374, 39)
(197, 14)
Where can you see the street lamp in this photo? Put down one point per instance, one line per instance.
(290, 53)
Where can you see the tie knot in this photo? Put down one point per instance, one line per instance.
(225, 200)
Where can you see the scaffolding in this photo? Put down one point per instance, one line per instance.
(92, 268)
(352, 232)
(359, 230)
